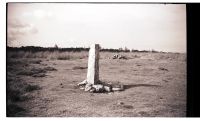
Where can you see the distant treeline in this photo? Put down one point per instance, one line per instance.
(71, 49)
(51, 49)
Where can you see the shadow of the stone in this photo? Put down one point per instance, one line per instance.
(139, 85)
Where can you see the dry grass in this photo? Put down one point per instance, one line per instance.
(155, 85)
(56, 55)
(17, 88)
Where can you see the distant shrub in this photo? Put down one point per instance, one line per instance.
(133, 50)
(63, 57)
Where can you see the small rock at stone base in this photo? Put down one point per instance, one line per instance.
(116, 89)
(107, 88)
(82, 83)
(92, 90)
(88, 87)
(98, 87)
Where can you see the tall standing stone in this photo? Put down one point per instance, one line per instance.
(93, 65)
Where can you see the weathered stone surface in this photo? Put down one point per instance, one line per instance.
(93, 65)
(92, 83)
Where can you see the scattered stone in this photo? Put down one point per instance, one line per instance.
(92, 83)
(118, 88)
(107, 88)
(92, 90)
(101, 87)
(82, 88)
(118, 56)
(98, 88)
(82, 83)
(115, 56)
(88, 87)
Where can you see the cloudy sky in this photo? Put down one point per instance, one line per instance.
(160, 27)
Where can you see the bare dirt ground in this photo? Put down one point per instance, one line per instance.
(155, 86)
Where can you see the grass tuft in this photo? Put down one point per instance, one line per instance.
(30, 88)
(55, 55)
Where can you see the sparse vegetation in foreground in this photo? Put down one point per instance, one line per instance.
(43, 84)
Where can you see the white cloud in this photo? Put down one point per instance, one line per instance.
(17, 29)
(39, 14)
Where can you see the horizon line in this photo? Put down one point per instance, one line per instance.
(123, 48)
